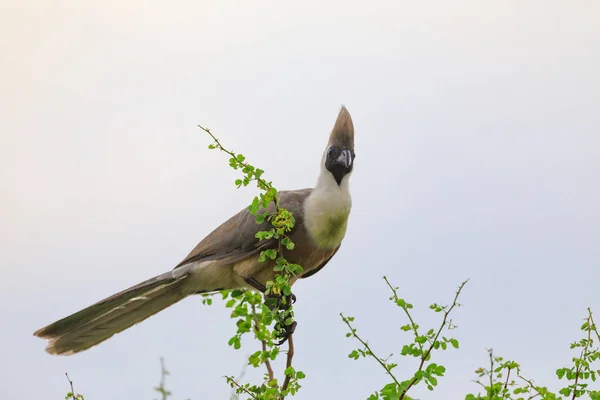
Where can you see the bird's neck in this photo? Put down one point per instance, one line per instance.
(326, 210)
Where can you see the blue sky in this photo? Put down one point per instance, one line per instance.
(477, 143)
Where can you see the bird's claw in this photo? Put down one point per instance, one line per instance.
(280, 302)
(287, 332)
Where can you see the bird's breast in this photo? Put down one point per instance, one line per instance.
(326, 218)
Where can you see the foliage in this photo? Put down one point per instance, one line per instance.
(253, 312)
(271, 316)
(421, 348)
(579, 375)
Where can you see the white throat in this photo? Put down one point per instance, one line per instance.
(327, 208)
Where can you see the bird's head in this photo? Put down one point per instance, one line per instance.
(339, 154)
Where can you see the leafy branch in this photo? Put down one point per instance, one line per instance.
(580, 373)
(253, 313)
(421, 347)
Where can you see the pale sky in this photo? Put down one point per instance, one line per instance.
(477, 156)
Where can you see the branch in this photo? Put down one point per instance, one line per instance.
(72, 395)
(232, 382)
(263, 342)
(507, 377)
(491, 391)
(426, 355)
(261, 181)
(584, 352)
(353, 331)
(282, 222)
(531, 385)
(412, 322)
(288, 363)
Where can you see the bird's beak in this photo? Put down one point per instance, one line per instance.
(345, 158)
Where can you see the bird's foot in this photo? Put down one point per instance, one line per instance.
(280, 302)
(286, 332)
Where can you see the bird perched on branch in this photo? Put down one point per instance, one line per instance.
(228, 257)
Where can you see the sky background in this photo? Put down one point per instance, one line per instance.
(477, 156)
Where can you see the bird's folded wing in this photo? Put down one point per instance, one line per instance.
(235, 239)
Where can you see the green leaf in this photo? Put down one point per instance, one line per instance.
(565, 391)
(454, 343)
(230, 303)
(240, 158)
(421, 339)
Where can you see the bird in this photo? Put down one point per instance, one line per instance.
(228, 257)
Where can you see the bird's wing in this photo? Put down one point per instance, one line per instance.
(235, 239)
(320, 267)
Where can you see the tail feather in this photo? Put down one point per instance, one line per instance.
(100, 321)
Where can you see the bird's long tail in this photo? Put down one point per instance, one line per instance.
(100, 321)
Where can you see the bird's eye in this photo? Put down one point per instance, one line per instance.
(330, 152)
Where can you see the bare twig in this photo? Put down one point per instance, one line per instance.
(73, 395)
(480, 384)
(288, 363)
(70, 383)
(507, 377)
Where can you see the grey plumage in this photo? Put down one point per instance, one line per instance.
(228, 257)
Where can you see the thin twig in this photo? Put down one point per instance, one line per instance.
(232, 380)
(288, 363)
(531, 385)
(70, 383)
(412, 322)
(507, 377)
(593, 324)
(234, 395)
(480, 384)
(426, 355)
(491, 391)
(353, 331)
(243, 164)
(583, 354)
(263, 344)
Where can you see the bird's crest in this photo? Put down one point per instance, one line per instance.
(342, 134)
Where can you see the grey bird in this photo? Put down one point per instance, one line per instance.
(228, 257)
